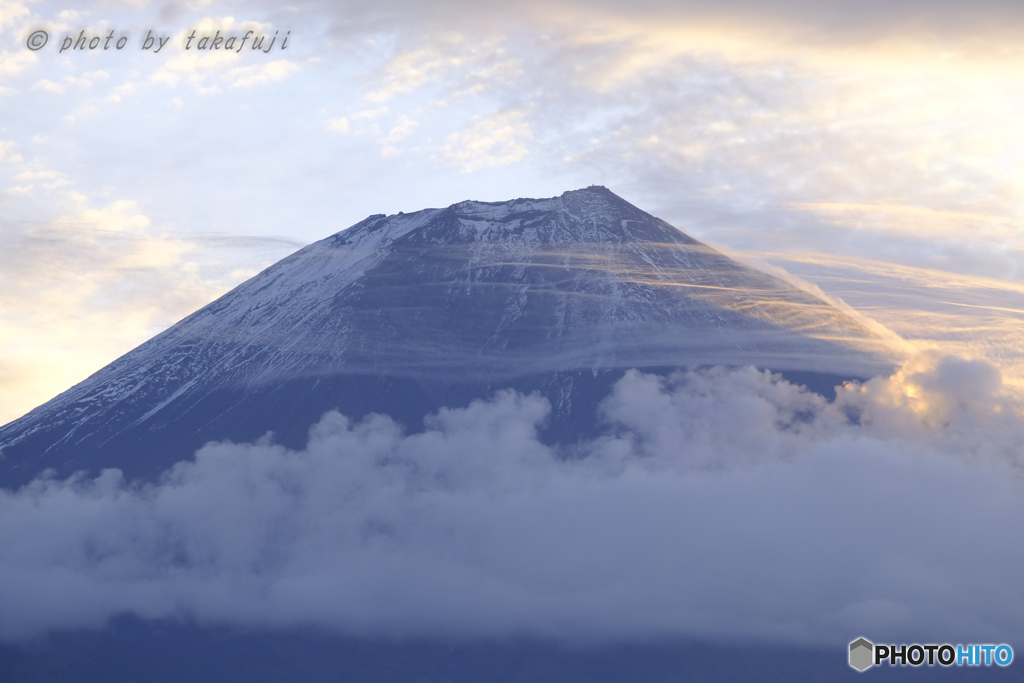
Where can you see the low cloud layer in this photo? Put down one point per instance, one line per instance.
(719, 503)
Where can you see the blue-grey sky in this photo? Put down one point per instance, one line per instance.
(137, 185)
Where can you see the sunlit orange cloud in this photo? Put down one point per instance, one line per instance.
(885, 39)
(970, 316)
(920, 221)
(923, 277)
(90, 286)
(982, 45)
(85, 292)
(921, 127)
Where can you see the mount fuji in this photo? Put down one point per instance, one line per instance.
(407, 313)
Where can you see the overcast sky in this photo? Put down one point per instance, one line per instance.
(137, 185)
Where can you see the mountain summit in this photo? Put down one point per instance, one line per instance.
(404, 314)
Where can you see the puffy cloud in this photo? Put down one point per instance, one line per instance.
(207, 67)
(12, 11)
(13, 63)
(248, 76)
(719, 503)
(495, 141)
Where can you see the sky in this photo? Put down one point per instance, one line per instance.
(137, 185)
(872, 149)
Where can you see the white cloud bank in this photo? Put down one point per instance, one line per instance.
(720, 503)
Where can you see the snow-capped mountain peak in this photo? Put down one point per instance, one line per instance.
(406, 313)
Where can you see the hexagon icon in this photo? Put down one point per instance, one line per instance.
(862, 654)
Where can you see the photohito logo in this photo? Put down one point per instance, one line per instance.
(865, 654)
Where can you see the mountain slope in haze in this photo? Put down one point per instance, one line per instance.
(403, 314)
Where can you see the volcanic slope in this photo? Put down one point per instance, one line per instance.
(403, 314)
